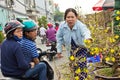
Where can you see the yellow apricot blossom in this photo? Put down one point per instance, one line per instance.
(76, 77)
(85, 41)
(86, 70)
(104, 49)
(72, 58)
(88, 77)
(117, 12)
(112, 50)
(106, 30)
(78, 71)
(92, 53)
(116, 36)
(76, 64)
(96, 50)
(113, 59)
(119, 54)
(88, 41)
(117, 18)
(112, 40)
(107, 58)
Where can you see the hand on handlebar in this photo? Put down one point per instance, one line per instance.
(32, 64)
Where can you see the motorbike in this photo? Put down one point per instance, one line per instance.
(43, 39)
(52, 51)
(50, 71)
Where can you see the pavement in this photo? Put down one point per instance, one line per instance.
(55, 64)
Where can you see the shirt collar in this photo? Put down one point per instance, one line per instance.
(74, 27)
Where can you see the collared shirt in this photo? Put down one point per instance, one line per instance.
(29, 49)
(64, 34)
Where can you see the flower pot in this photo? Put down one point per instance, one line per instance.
(110, 63)
(99, 75)
(100, 65)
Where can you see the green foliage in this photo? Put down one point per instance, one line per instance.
(117, 30)
(116, 17)
(42, 20)
(58, 16)
(1, 37)
(117, 4)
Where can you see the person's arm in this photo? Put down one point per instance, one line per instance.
(34, 53)
(22, 64)
(32, 64)
(59, 38)
(85, 32)
(36, 60)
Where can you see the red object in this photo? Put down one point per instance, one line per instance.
(104, 5)
(49, 24)
(98, 5)
(56, 28)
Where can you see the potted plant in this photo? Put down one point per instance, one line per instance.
(1, 34)
(1, 37)
(108, 44)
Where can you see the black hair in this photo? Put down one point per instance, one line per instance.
(56, 24)
(10, 35)
(70, 10)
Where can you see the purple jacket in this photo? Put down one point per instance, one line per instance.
(51, 34)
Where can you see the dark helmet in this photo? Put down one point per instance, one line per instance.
(29, 25)
(20, 20)
(56, 24)
(12, 25)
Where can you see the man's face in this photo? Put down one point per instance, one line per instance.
(32, 34)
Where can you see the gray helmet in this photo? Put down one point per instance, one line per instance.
(12, 25)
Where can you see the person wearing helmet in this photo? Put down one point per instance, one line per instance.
(56, 26)
(51, 33)
(28, 42)
(13, 62)
(29, 47)
(11, 52)
(43, 34)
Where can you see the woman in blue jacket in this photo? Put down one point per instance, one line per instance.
(72, 33)
(13, 63)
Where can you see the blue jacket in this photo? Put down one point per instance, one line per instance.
(12, 59)
(78, 33)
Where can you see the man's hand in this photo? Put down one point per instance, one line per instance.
(59, 55)
(32, 64)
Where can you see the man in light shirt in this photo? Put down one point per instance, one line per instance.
(43, 34)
